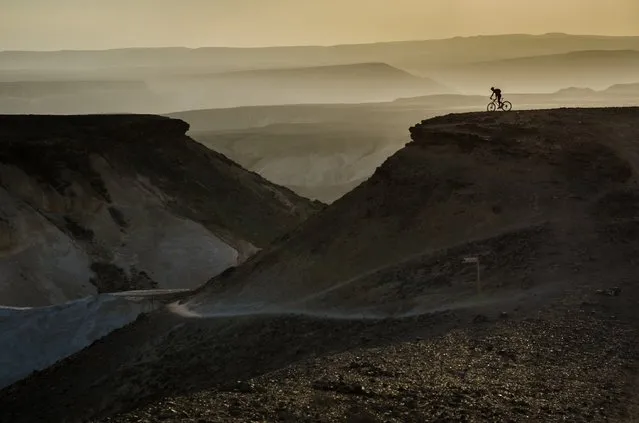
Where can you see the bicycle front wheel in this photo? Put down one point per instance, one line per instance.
(507, 106)
(491, 107)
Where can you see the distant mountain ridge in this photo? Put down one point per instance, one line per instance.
(359, 70)
(627, 89)
(216, 77)
(581, 55)
(396, 53)
(39, 89)
(594, 69)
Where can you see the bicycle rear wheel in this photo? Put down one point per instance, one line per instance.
(507, 106)
(491, 107)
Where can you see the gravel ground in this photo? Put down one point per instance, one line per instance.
(553, 368)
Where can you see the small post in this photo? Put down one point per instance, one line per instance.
(478, 277)
(476, 261)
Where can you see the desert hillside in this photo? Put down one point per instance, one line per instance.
(367, 312)
(93, 204)
(447, 191)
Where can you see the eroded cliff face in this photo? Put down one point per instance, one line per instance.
(110, 203)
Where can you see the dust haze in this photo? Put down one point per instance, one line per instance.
(336, 111)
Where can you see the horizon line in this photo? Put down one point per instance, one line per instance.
(283, 46)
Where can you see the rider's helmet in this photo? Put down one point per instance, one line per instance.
(492, 88)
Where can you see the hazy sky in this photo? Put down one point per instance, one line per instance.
(78, 24)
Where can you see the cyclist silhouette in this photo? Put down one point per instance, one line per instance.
(496, 93)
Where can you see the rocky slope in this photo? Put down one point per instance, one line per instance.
(366, 312)
(107, 203)
(516, 188)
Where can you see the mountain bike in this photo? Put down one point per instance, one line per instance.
(506, 106)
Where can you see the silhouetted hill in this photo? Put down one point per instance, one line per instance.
(71, 96)
(597, 58)
(36, 89)
(613, 96)
(109, 203)
(359, 70)
(624, 90)
(576, 92)
(365, 82)
(406, 53)
(463, 50)
(438, 193)
(592, 69)
(325, 84)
